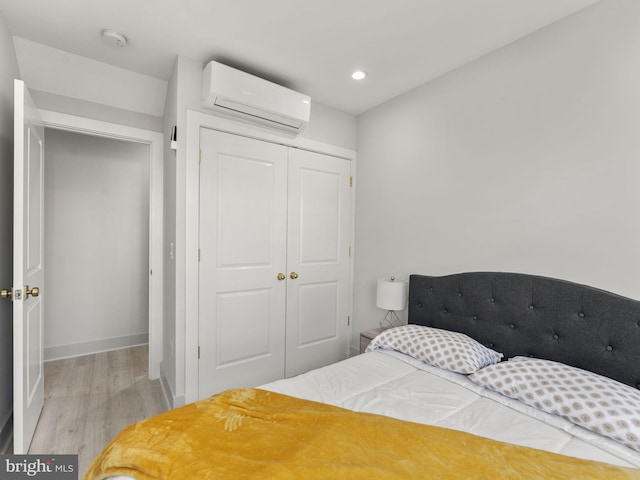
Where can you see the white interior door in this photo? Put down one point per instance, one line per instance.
(28, 268)
(243, 192)
(319, 232)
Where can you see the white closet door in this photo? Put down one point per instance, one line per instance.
(243, 221)
(318, 260)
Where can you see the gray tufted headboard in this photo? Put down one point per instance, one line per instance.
(519, 314)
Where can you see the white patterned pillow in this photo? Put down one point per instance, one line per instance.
(592, 401)
(448, 350)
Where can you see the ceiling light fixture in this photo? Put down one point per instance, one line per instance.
(358, 75)
(114, 38)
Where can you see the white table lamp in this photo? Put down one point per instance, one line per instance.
(392, 297)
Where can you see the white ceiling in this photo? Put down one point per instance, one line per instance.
(308, 45)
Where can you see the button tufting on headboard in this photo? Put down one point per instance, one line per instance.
(537, 311)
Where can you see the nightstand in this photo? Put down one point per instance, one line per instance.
(367, 336)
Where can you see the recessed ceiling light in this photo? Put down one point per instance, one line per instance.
(114, 38)
(358, 75)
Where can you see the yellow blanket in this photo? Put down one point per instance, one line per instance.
(255, 434)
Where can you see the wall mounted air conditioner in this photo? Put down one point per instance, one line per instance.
(254, 99)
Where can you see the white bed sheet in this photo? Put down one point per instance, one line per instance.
(396, 385)
(392, 384)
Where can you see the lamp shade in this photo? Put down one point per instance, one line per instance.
(392, 294)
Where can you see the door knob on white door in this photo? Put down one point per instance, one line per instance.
(6, 293)
(281, 276)
(34, 292)
(293, 275)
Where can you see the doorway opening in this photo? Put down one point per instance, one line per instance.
(96, 210)
(151, 143)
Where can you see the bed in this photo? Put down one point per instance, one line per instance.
(498, 375)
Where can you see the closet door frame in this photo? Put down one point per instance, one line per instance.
(187, 205)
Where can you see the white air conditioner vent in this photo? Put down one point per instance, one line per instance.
(240, 94)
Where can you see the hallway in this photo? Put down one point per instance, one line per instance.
(89, 399)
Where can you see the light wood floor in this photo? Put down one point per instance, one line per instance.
(89, 399)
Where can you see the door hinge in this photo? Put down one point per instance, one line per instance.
(199, 254)
(199, 156)
(198, 352)
(348, 320)
(351, 181)
(349, 250)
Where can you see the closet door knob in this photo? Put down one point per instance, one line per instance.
(281, 276)
(6, 293)
(293, 275)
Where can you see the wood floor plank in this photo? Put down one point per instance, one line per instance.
(90, 399)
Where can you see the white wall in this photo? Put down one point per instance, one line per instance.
(95, 111)
(168, 366)
(89, 88)
(87, 79)
(525, 160)
(96, 243)
(8, 71)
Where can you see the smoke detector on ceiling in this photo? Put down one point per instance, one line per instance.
(114, 38)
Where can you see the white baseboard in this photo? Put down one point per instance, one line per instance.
(166, 391)
(171, 400)
(87, 348)
(6, 435)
